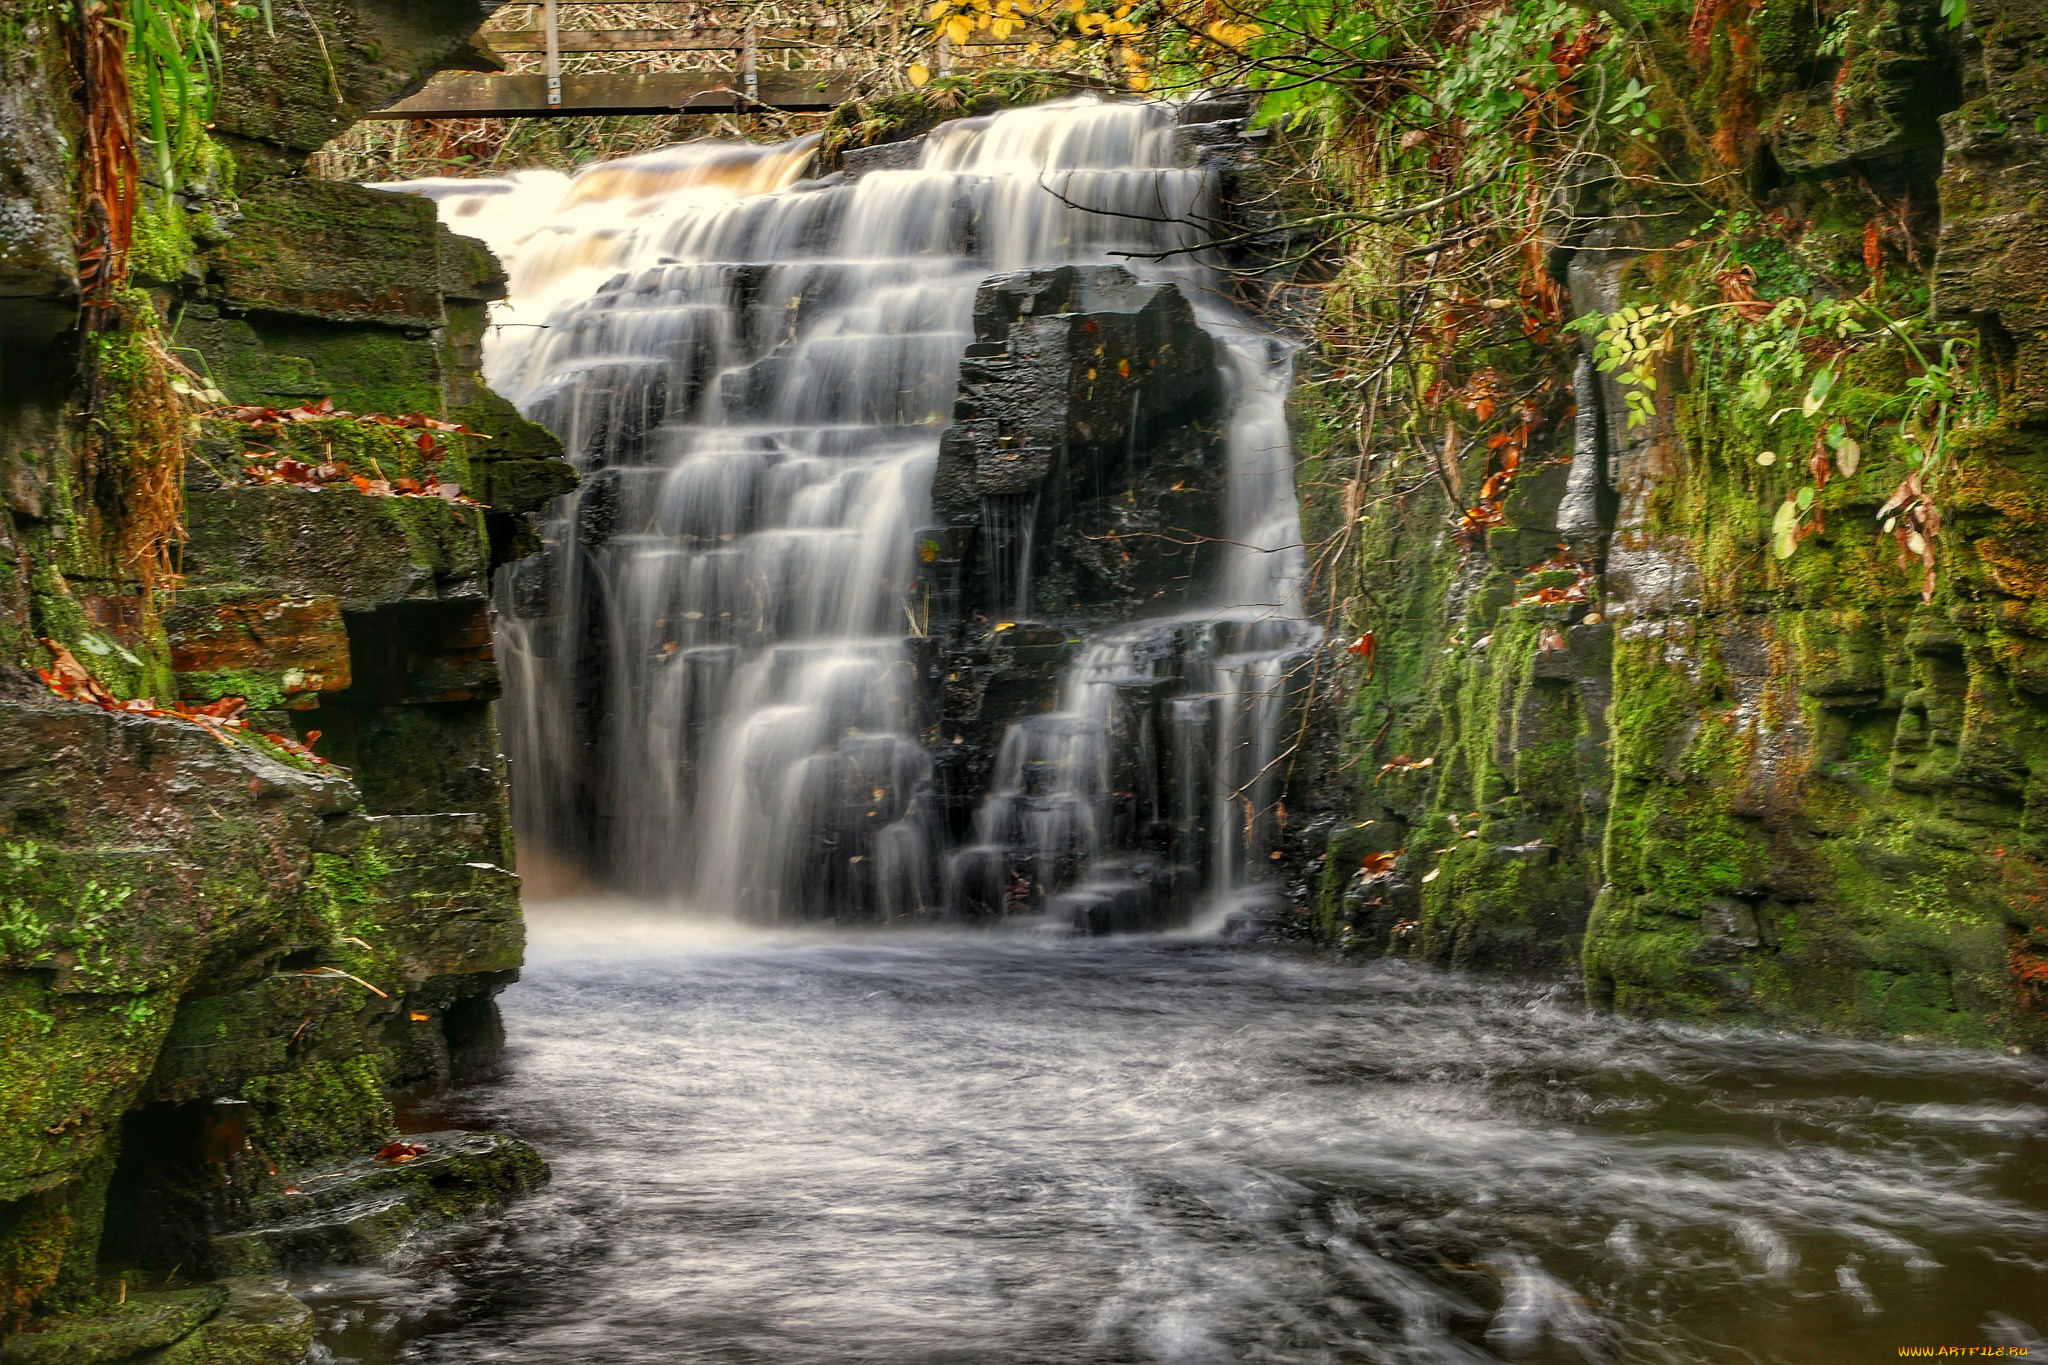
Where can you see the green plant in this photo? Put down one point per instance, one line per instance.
(1796, 349)
(175, 69)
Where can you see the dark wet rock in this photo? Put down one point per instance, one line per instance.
(1125, 896)
(1083, 466)
(1234, 103)
(1993, 261)
(365, 1211)
(315, 248)
(39, 291)
(1880, 108)
(317, 68)
(364, 552)
(889, 156)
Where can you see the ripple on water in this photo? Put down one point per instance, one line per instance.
(918, 1148)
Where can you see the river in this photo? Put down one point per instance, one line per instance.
(913, 1148)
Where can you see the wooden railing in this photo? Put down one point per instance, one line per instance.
(788, 85)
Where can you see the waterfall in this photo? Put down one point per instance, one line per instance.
(713, 672)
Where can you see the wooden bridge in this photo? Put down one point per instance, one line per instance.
(748, 68)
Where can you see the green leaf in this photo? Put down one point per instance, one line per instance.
(1817, 391)
(1804, 499)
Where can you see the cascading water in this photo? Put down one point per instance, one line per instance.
(713, 685)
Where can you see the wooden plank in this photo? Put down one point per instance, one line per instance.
(552, 30)
(680, 40)
(636, 40)
(466, 94)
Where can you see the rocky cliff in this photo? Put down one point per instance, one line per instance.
(1699, 646)
(244, 454)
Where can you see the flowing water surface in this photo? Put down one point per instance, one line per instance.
(980, 1148)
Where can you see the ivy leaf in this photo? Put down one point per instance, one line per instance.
(1817, 391)
(1785, 529)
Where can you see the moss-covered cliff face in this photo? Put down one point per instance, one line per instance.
(219, 959)
(1685, 706)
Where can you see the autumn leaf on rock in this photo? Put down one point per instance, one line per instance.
(1401, 763)
(1366, 647)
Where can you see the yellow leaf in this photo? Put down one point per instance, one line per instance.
(1141, 80)
(931, 16)
(1226, 34)
(919, 73)
(1066, 45)
(957, 29)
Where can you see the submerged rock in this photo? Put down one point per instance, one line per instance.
(364, 1212)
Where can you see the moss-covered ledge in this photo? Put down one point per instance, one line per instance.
(1715, 778)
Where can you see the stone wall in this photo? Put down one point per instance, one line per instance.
(1619, 734)
(219, 960)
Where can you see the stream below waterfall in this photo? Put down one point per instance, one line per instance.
(919, 1147)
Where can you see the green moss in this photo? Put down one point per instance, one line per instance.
(48, 1240)
(72, 1063)
(81, 912)
(263, 691)
(321, 1110)
(162, 249)
(282, 362)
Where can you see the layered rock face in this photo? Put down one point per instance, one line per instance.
(218, 959)
(1624, 735)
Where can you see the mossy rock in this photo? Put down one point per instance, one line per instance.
(141, 1322)
(259, 1324)
(340, 253)
(362, 1211)
(363, 551)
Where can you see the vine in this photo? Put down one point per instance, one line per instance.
(1795, 349)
